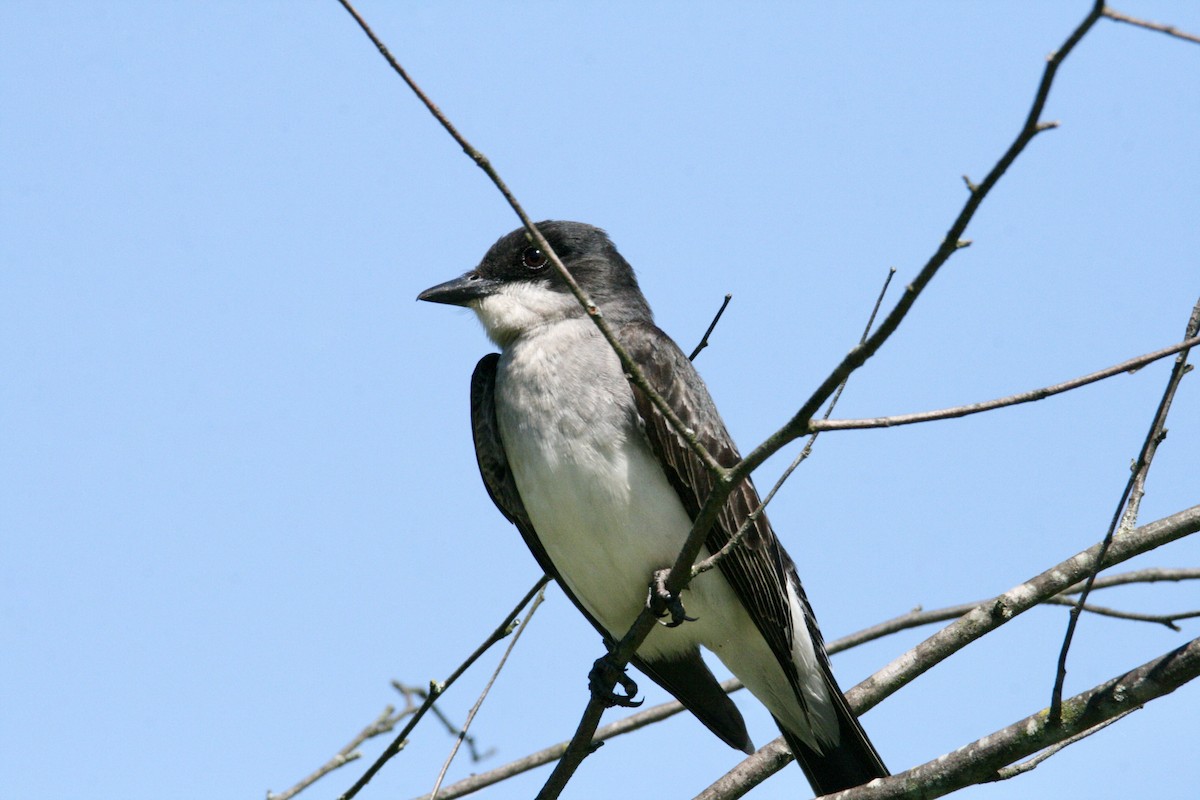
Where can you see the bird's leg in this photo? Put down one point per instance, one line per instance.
(603, 680)
(663, 602)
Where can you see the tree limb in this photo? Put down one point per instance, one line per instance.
(983, 759)
(981, 620)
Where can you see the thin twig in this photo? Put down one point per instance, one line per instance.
(1013, 771)
(382, 724)
(805, 452)
(704, 339)
(552, 753)
(437, 689)
(462, 734)
(680, 572)
(1148, 575)
(1126, 511)
(447, 723)
(1030, 396)
(919, 617)
(1170, 30)
(1166, 620)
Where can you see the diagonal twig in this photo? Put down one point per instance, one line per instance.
(1013, 771)
(1126, 512)
(436, 690)
(462, 734)
(382, 724)
(805, 452)
(447, 723)
(711, 326)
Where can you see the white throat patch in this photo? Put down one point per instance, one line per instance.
(520, 307)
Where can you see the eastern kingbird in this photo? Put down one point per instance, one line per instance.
(604, 493)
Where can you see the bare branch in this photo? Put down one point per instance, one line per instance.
(415, 691)
(711, 326)
(980, 621)
(437, 689)
(982, 759)
(1030, 396)
(805, 452)
(800, 423)
(1170, 30)
(382, 724)
(462, 734)
(552, 753)
(1166, 620)
(1127, 507)
(1149, 575)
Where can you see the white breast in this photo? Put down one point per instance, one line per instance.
(595, 493)
(604, 511)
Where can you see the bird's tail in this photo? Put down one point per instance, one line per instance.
(852, 762)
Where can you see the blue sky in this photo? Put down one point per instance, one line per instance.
(237, 492)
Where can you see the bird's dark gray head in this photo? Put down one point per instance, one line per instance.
(515, 288)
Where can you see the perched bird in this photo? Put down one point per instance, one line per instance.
(604, 493)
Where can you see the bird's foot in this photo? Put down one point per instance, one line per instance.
(603, 681)
(663, 602)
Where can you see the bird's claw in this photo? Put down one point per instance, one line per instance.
(603, 681)
(663, 602)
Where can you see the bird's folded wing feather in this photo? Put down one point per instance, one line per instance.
(757, 568)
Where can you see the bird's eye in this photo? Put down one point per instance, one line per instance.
(533, 258)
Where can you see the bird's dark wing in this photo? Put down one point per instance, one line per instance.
(493, 461)
(758, 569)
(688, 677)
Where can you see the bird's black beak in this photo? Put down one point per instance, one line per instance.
(461, 291)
